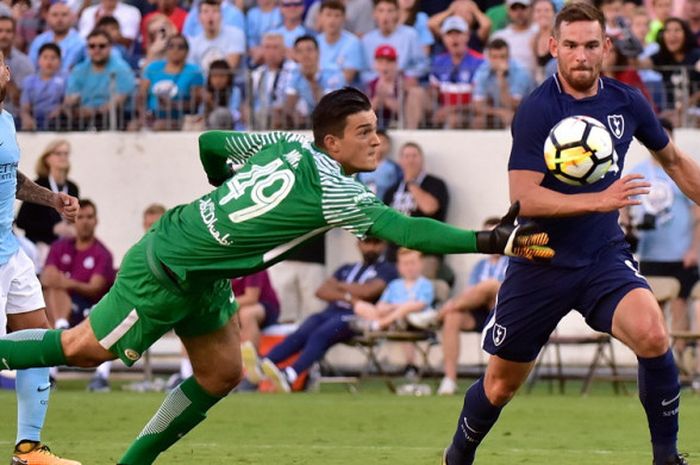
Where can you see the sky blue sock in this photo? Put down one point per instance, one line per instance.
(660, 392)
(33, 389)
(477, 417)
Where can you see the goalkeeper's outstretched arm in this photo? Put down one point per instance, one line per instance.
(431, 236)
(220, 150)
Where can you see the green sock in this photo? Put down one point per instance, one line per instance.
(183, 409)
(31, 348)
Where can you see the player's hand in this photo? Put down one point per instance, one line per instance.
(622, 193)
(67, 206)
(507, 238)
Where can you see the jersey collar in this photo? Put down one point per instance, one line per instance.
(601, 85)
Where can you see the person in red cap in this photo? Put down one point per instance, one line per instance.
(390, 87)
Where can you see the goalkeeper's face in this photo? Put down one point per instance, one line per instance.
(358, 149)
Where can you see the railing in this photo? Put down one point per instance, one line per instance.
(423, 106)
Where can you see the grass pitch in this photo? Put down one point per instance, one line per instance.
(371, 427)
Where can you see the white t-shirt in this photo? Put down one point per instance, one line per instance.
(231, 40)
(520, 45)
(129, 18)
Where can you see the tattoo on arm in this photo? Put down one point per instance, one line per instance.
(29, 191)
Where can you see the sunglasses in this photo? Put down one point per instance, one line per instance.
(293, 4)
(98, 46)
(179, 46)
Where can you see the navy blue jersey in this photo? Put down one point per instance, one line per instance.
(625, 112)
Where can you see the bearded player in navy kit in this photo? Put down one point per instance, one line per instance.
(593, 271)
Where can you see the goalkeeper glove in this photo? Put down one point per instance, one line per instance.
(507, 238)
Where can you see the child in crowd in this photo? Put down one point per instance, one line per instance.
(411, 292)
(222, 100)
(43, 91)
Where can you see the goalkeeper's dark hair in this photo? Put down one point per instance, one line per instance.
(331, 114)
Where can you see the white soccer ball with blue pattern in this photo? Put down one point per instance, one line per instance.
(579, 150)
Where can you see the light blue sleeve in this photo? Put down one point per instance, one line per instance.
(425, 37)
(233, 16)
(251, 27)
(481, 77)
(476, 273)
(521, 84)
(425, 293)
(389, 294)
(192, 27)
(418, 64)
(355, 55)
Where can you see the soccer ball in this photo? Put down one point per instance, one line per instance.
(579, 150)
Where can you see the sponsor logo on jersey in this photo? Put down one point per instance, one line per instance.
(365, 197)
(207, 211)
(616, 123)
(499, 334)
(89, 263)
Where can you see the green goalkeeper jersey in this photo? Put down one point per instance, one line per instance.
(285, 191)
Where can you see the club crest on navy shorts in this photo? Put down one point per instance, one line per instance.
(499, 334)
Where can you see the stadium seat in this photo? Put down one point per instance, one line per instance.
(665, 289)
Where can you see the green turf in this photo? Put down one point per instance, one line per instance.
(371, 427)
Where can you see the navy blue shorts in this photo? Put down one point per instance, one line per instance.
(534, 298)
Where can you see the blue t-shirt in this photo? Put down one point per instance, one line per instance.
(291, 36)
(94, 87)
(398, 292)
(486, 85)
(176, 86)
(230, 16)
(487, 269)
(72, 48)
(411, 57)
(361, 273)
(9, 159)
(44, 95)
(328, 79)
(672, 210)
(258, 22)
(346, 53)
(579, 240)
(451, 79)
(379, 181)
(425, 37)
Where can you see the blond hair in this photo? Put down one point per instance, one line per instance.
(154, 209)
(42, 168)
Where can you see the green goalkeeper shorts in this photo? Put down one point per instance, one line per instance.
(144, 303)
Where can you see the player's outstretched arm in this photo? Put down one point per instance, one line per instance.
(681, 168)
(29, 191)
(430, 236)
(220, 150)
(538, 201)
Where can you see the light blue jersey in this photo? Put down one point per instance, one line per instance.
(345, 53)
(258, 22)
(9, 159)
(488, 269)
(291, 36)
(672, 211)
(397, 292)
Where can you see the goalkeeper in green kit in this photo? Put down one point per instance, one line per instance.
(285, 191)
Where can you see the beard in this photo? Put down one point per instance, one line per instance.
(370, 257)
(579, 81)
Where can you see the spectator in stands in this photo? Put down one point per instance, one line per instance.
(677, 49)
(231, 15)
(78, 271)
(500, 84)
(668, 226)
(292, 27)
(268, 84)
(20, 65)
(358, 16)
(159, 29)
(97, 85)
(619, 66)
(43, 225)
(393, 95)
(129, 18)
(364, 280)
(59, 20)
(308, 83)
(171, 88)
(43, 92)
(418, 193)
(452, 75)
(691, 13)
(30, 22)
(479, 25)
(410, 14)
(412, 60)
(387, 173)
(543, 17)
(410, 293)
(652, 79)
(260, 19)
(217, 41)
(467, 311)
(110, 25)
(519, 34)
(222, 99)
(337, 46)
(259, 306)
(175, 15)
(662, 10)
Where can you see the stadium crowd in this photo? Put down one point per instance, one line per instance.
(158, 64)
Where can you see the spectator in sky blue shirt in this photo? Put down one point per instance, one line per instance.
(99, 82)
(291, 28)
(42, 92)
(230, 16)
(500, 84)
(309, 82)
(412, 60)
(59, 21)
(258, 20)
(338, 47)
